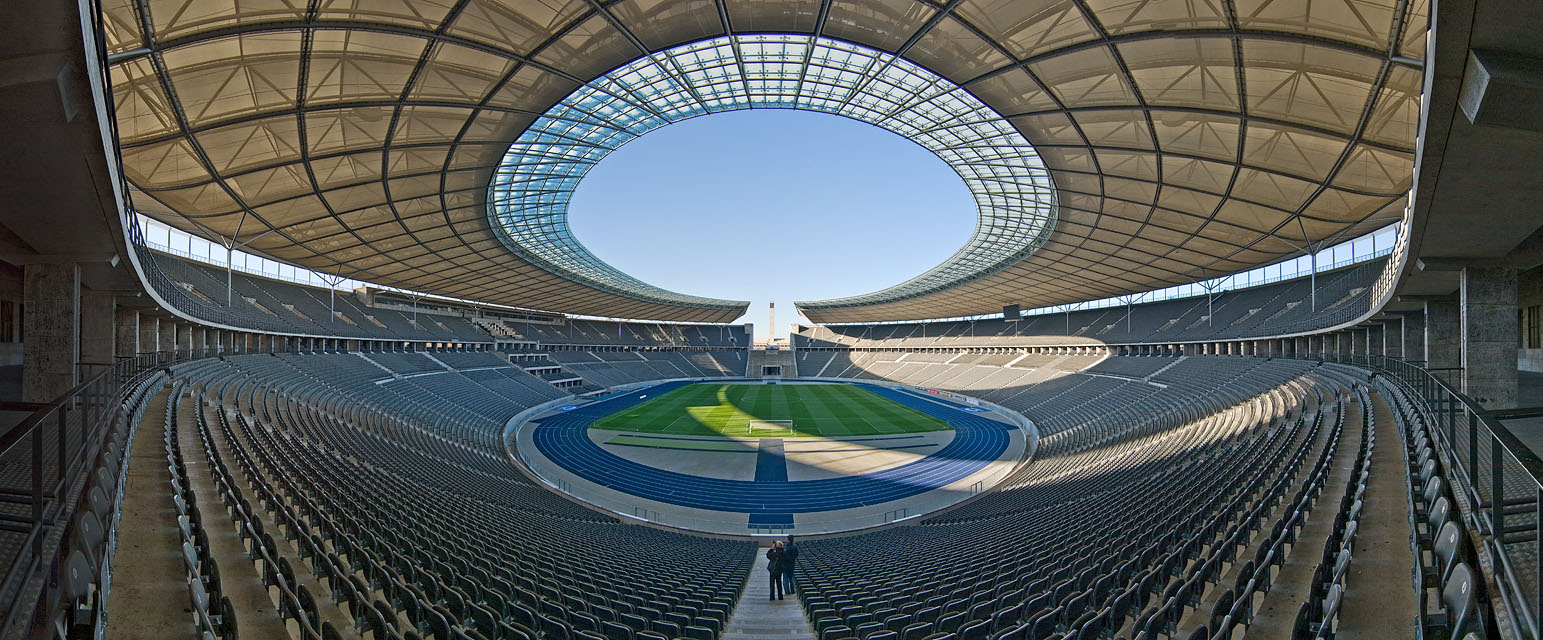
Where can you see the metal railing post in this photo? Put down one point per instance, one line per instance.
(1473, 445)
(64, 435)
(1496, 492)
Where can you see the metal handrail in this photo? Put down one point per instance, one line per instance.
(77, 423)
(1500, 477)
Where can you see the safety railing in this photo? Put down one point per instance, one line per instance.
(1500, 477)
(48, 457)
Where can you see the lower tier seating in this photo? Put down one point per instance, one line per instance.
(1144, 532)
(1168, 510)
(411, 533)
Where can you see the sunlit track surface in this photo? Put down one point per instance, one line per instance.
(977, 442)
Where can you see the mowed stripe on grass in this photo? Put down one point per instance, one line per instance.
(829, 410)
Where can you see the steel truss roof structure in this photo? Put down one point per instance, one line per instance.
(1185, 138)
(1012, 189)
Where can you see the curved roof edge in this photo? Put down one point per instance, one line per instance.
(529, 194)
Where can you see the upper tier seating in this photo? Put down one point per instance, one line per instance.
(613, 368)
(265, 304)
(1272, 309)
(636, 334)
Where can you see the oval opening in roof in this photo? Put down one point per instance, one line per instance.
(529, 195)
(772, 205)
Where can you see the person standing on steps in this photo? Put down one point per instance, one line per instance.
(774, 559)
(789, 559)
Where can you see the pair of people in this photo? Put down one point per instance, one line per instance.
(781, 558)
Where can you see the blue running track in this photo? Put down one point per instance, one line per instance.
(978, 440)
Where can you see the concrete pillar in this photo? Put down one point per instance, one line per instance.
(185, 336)
(1393, 340)
(149, 333)
(168, 334)
(126, 330)
(1414, 336)
(200, 339)
(96, 329)
(50, 330)
(1491, 336)
(1374, 340)
(1443, 333)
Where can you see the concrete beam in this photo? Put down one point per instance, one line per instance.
(1502, 90)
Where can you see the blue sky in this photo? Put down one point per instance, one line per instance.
(772, 205)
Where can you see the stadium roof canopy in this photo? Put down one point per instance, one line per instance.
(1184, 139)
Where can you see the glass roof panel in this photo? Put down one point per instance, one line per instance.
(528, 198)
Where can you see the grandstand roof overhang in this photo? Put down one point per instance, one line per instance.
(1184, 140)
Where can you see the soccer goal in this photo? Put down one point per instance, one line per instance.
(761, 428)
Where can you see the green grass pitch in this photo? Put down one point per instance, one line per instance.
(776, 411)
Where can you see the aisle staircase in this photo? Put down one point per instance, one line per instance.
(758, 617)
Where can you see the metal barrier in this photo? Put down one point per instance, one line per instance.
(1500, 477)
(57, 446)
